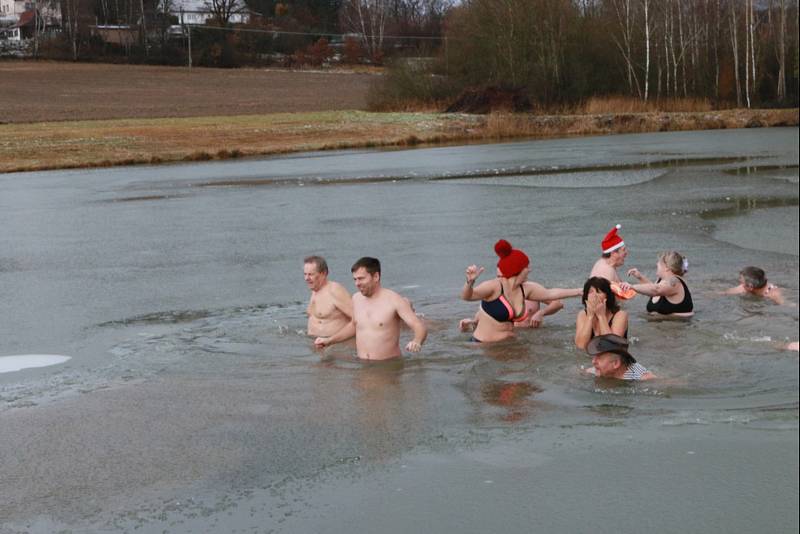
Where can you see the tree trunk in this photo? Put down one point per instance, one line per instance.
(781, 90)
(735, 50)
(647, 49)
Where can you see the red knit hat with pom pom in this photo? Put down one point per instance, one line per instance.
(612, 241)
(512, 261)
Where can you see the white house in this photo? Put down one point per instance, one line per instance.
(197, 12)
(11, 11)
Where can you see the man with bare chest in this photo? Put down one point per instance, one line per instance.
(614, 254)
(330, 308)
(377, 317)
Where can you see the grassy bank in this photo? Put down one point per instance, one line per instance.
(99, 143)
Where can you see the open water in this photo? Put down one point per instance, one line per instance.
(193, 402)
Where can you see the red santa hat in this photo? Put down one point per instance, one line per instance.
(512, 261)
(612, 241)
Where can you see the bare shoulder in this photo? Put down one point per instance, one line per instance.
(532, 285)
(394, 296)
(339, 290)
(603, 270)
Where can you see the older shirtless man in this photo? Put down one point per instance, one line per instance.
(377, 316)
(753, 281)
(614, 253)
(330, 308)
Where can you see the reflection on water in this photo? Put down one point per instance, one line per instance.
(733, 206)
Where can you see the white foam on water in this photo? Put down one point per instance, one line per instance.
(18, 362)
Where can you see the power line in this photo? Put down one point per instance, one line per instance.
(314, 34)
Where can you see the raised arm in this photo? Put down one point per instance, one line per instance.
(484, 289)
(406, 313)
(596, 313)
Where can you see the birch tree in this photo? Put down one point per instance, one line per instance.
(368, 19)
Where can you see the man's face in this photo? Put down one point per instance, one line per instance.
(619, 256)
(747, 287)
(606, 363)
(314, 279)
(366, 283)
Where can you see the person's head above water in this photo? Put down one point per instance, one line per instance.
(512, 261)
(753, 277)
(612, 241)
(367, 275)
(603, 286)
(674, 262)
(315, 272)
(610, 356)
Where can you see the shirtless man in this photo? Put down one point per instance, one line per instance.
(330, 308)
(614, 253)
(753, 281)
(377, 316)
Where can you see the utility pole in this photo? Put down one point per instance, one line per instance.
(189, 33)
(35, 30)
(144, 29)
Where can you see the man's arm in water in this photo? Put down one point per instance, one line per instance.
(345, 333)
(406, 313)
(738, 290)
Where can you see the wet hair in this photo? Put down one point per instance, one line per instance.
(626, 359)
(673, 261)
(754, 277)
(606, 255)
(372, 265)
(319, 262)
(603, 285)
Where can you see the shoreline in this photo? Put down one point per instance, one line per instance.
(41, 146)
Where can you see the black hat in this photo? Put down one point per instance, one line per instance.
(610, 343)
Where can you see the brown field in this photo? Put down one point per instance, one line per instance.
(52, 91)
(63, 115)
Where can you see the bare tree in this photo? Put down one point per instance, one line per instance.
(781, 51)
(624, 11)
(368, 19)
(735, 50)
(223, 10)
(647, 48)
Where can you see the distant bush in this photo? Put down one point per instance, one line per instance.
(409, 84)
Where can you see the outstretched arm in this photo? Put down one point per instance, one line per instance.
(534, 291)
(634, 272)
(408, 316)
(664, 288)
(738, 290)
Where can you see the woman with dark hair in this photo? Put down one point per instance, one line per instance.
(601, 314)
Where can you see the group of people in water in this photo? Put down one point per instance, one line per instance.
(374, 315)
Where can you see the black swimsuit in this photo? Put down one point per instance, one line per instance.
(665, 307)
(501, 310)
